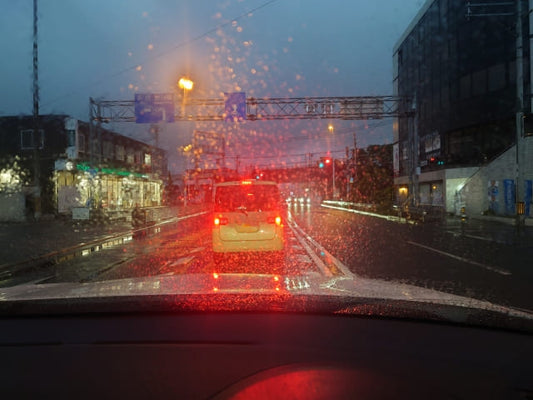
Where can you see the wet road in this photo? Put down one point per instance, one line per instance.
(448, 258)
(461, 260)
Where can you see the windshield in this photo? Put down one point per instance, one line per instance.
(341, 152)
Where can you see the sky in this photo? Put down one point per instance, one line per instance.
(113, 49)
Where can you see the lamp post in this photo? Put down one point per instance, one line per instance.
(186, 84)
(331, 129)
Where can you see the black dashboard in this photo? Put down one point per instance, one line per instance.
(238, 355)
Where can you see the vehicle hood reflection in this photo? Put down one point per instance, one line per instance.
(276, 288)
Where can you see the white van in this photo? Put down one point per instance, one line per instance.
(248, 216)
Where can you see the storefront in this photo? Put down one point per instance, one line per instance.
(110, 189)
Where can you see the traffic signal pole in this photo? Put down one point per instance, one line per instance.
(333, 186)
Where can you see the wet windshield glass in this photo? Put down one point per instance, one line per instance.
(345, 149)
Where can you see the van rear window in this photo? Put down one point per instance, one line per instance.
(247, 197)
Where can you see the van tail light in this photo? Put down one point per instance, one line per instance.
(220, 221)
(274, 220)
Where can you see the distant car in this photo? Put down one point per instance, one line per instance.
(248, 217)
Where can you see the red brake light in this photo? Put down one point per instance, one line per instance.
(220, 221)
(274, 220)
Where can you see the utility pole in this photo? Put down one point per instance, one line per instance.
(36, 125)
(519, 181)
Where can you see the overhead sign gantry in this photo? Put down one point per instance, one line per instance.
(155, 108)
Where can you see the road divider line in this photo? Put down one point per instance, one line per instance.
(476, 237)
(318, 262)
(334, 266)
(370, 214)
(463, 259)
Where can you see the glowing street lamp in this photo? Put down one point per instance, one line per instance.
(185, 84)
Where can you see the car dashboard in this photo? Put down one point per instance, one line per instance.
(238, 355)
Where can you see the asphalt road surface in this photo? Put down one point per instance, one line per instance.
(469, 261)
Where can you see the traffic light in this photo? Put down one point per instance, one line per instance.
(324, 162)
(436, 160)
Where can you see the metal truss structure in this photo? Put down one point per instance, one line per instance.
(264, 109)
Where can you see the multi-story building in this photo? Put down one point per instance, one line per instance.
(79, 167)
(464, 65)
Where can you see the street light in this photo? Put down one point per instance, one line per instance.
(186, 84)
(331, 128)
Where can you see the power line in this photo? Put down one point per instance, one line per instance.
(163, 53)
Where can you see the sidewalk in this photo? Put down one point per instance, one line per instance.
(26, 240)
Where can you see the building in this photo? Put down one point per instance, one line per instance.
(82, 168)
(457, 63)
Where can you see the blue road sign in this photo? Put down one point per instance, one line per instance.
(510, 198)
(235, 106)
(152, 108)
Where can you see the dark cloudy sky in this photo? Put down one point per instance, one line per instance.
(112, 49)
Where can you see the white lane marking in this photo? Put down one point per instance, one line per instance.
(371, 214)
(179, 218)
(345, 270)
(487, 239)
(304, 258)
(192, 215)
(325, 270)
(197, 250)
(463, 259)
(318, 262)
(180, 261)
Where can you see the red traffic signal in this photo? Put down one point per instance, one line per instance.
(324, 161)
